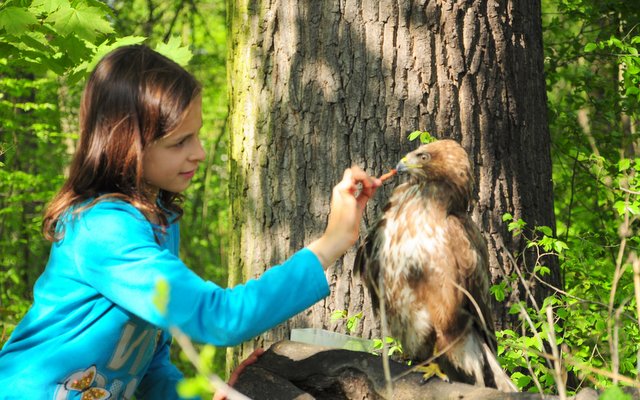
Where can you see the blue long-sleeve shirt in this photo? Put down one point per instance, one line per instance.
(94, 325)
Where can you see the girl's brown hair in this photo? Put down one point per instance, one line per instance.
(133, 97)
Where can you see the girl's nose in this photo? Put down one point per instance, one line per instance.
(198, 153)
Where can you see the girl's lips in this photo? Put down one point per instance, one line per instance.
(188, 175)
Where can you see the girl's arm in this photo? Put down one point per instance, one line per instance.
(116, 253)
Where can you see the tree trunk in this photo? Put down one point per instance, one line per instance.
(316, 86)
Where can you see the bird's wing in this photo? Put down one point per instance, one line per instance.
(474, 276)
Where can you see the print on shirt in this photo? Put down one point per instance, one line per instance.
(141, 344)
(132, 355)
(82, 383)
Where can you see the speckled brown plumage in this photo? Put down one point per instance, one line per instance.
(429, 253)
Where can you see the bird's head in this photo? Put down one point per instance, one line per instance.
(443, 160)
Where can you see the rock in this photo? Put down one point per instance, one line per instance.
(587, 394)
(291, 370)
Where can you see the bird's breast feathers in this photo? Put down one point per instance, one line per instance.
(414, 238)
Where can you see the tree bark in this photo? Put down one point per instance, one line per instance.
(318, 86)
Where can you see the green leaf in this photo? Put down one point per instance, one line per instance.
(76, 49)
(508, 332)
(614, 393)
(615, 42)
(99, 4)
(516, 226)
(84, 21)
(37, 41)
(161, 297)
(338, 314)
(8, 50)
(414, 135)
(521, 380)
(352, 322)
(624, 164)
(545, 230)
(559, 246)
(54, 65)
(425, 137)
(515, 308)
(174, 50)
(590, 47)
(562, 312)
(207, 354)
(541, 269)
(48, 6)
(194, 387)
(499, 291)
(620, 206)
(16, 20)
(105, 47)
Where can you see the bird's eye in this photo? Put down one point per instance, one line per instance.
(425, 156)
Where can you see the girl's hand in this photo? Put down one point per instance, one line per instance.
(348, 200)
(220, 395)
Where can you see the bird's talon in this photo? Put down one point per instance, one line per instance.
(431, 370)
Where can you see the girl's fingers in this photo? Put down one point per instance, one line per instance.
(253, 357)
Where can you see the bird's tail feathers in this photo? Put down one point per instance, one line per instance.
(502, 380)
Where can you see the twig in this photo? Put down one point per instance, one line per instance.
(435, 355)
(475, 305)
(526, 317)
(173, 21)
(582, 365)
(587, 301)
(636, 284)
(629, 191)
(615, 354)
(557, 362)
(525, 284)
(380, 291)
(385, 348)
(214, 380)
(619, 271)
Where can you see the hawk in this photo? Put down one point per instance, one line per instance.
(432, 261)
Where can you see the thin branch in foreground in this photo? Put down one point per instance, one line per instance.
(557, 362)
(385, 348)
(214, 380)
(525, 316)
(636, 284)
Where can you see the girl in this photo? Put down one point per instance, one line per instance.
(94, 330)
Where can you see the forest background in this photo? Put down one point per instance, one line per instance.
(592, 73)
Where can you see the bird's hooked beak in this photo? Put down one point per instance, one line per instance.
(405, 164)
(402, 165)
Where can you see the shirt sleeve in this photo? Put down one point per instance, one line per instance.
(162, 377)
(117, 254)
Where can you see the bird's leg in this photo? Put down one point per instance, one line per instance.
(431, 369)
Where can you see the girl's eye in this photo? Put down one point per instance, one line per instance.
(181, 142)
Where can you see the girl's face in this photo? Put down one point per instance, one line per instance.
(170, 162)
